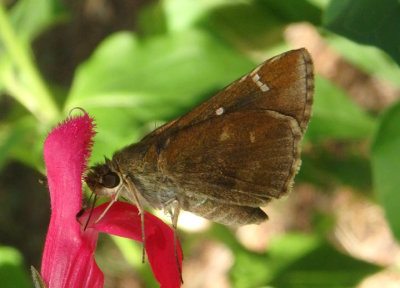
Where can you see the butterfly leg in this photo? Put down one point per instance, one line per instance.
(113, 200)
(173, 208)
(132, 189)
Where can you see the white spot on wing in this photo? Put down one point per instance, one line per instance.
(219, 111)
(255, 78)
(263, 86)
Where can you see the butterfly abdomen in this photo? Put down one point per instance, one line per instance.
(223, 213)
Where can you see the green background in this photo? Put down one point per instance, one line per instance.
(134, 65)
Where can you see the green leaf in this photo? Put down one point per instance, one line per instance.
(12, 272)
(323, 168)
(255, 270)
(21, 77)
(261, 22)
(151, 19)
(386, 166)
(298, 261)
(124, 72)
(115, 129)
(320, 3)
(258, 28)
(5, 67)
(182, 14)
(367, 21)
(128, 83)
(322, 266)
(22, 140)
(335, 116)
(294, 10)
(30, 17)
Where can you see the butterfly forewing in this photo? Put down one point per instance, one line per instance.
(283, 84)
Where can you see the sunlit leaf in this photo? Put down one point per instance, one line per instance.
(12, 271)
(128, 82)
(30, 17)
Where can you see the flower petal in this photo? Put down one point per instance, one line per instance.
(123, 219)
(68, 257)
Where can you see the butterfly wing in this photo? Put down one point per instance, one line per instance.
(238, 149)
(242, 145)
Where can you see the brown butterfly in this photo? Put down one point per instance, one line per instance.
(226, 157)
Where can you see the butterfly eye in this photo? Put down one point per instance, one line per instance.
(110, 180)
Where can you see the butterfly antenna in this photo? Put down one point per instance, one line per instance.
(91, 210)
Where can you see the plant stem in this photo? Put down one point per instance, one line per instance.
(29, 89)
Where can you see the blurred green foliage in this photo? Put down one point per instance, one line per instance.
(299, 261)
(12, 272)
(367, 21)
(184, 51)
(386, 165)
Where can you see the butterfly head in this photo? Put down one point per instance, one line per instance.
(103, 179)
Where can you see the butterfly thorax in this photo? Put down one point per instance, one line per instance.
(139, 164)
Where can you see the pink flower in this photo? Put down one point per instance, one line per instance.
(68, 257)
